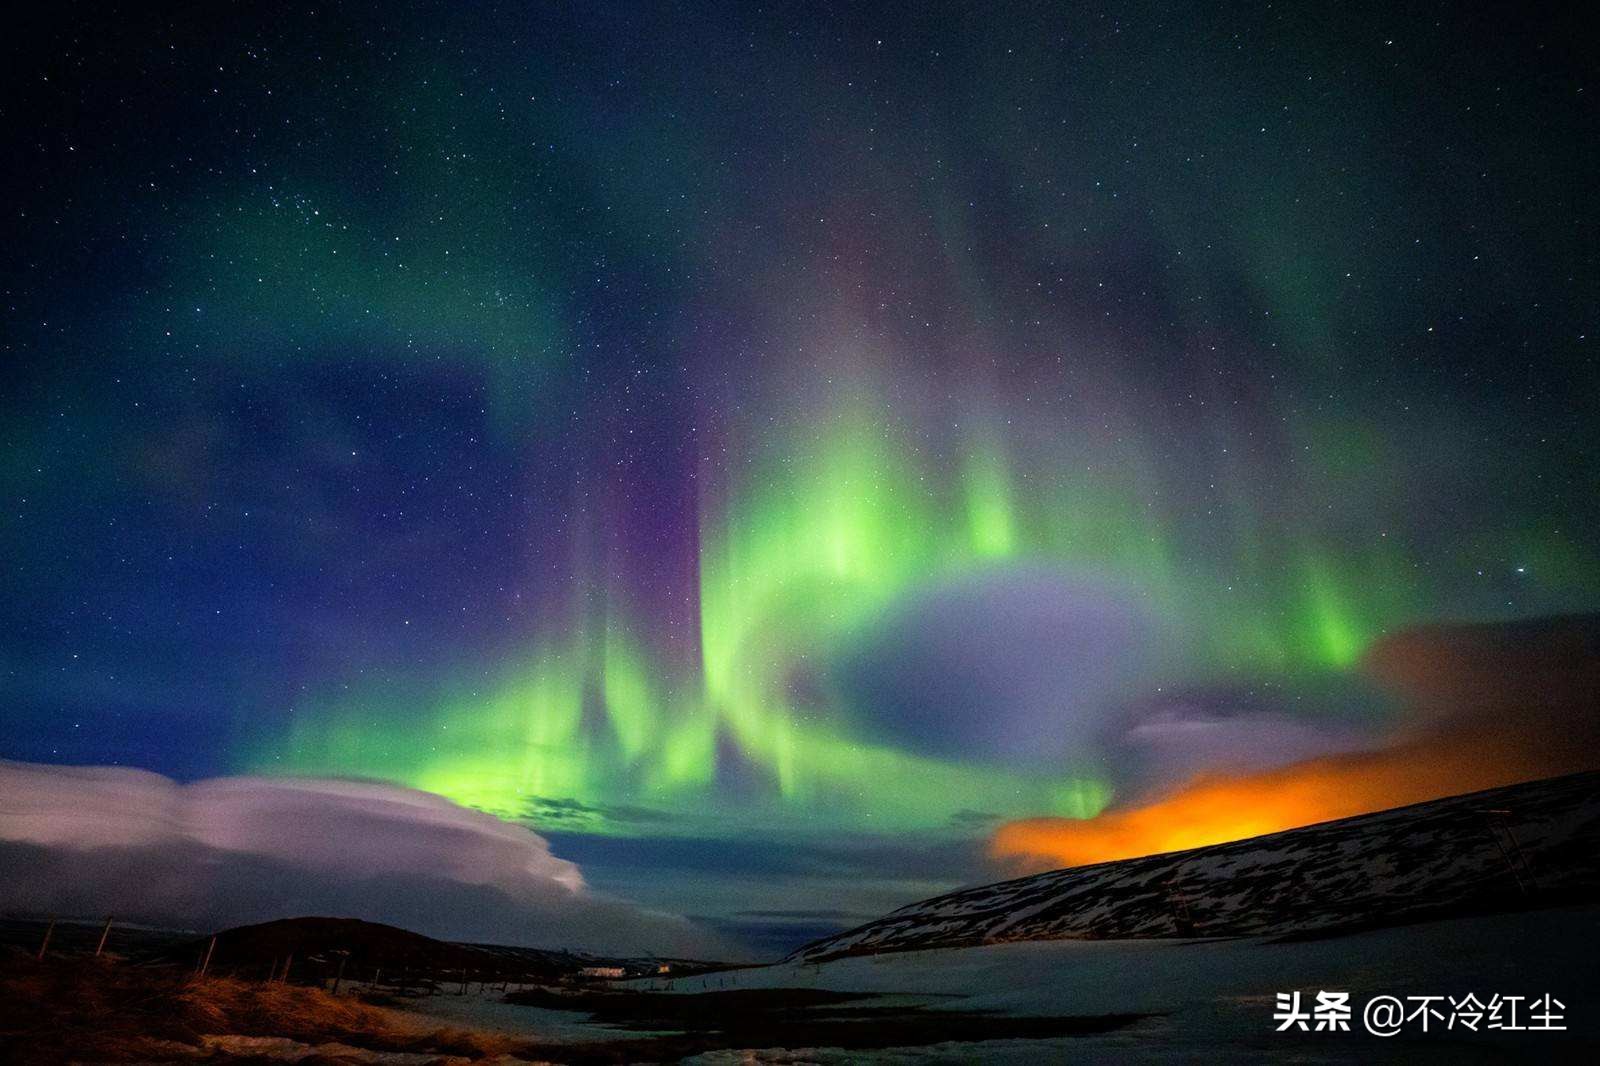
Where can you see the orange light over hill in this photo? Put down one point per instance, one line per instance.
(1212, 810)
(1490, 705)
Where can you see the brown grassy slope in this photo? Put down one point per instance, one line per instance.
(98, 1010)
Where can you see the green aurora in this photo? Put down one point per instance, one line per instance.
(830, 525)
(520, 413)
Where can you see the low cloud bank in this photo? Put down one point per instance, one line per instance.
(230, 851)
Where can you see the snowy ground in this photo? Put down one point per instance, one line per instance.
(1214, 1000)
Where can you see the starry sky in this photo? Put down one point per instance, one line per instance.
(762, 448)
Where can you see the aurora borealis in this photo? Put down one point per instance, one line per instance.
(757, 445)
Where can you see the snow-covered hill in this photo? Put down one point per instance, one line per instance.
(1524, 845)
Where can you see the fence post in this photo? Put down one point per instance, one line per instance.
(104, 933)
(44, 945)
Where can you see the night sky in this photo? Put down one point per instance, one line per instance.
(761, 449)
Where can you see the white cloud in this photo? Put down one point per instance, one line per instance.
(96, 840)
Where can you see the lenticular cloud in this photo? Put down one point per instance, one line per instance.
(96, 840)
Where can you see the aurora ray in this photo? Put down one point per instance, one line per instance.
(685, 426)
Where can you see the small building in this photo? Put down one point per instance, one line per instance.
(601, 971)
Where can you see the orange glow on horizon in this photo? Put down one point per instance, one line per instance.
(1213, 810)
